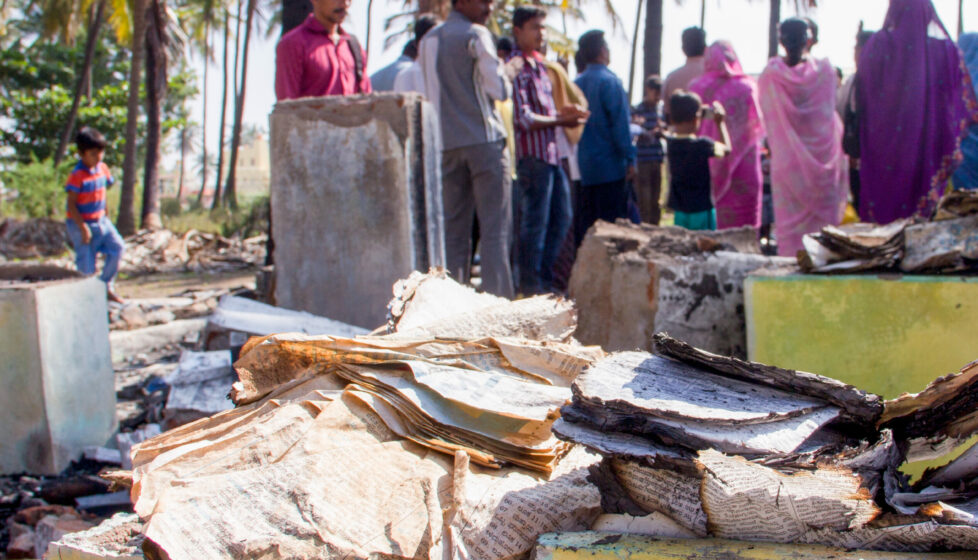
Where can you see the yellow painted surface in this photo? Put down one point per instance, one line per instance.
(886, 336)
(610, 546)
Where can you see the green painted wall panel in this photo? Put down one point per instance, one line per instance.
(887, 335)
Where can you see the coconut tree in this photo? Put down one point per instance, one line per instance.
(230, 189)
(126, 221)
(233, 78)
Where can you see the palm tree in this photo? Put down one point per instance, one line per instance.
(157, 41)
(224, 97)
(126, 222)
(187, 144)
(230, 190)
(83, 80)
(653, 38)
(772, 34)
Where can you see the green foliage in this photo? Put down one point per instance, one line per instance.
(251, 218)
(36, 97)
(36, 188)
(169, 207)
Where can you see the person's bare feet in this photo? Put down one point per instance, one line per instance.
(113, 297)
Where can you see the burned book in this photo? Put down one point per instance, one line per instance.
(853, 248)
(681, 405)
(942, 246)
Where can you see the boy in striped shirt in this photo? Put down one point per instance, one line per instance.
(89, 228)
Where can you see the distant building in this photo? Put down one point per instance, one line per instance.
(253, 174)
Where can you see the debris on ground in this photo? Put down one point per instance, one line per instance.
(137, 313)
(31, 239)
(235, 319)
(734, 449)
(161, 250)
(378, 445)
(630, 281)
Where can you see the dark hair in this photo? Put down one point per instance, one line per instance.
(88, 138)
(794, 34)
(694, 41)
(654, 82)
(684, 106)
(410, 49)
(523, 14)
(423, 24)
(813, 30)
(505, 44)
(590, 45)
(839, 73)
(862, 38)
(579, 63)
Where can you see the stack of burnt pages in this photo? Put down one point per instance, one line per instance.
(713, 446)
(948, 243)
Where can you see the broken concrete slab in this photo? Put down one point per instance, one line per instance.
(351, 220)
(199, 386)
(53, 528)
(59, 388)
(129, 343)
(630, 282)
(254, 318)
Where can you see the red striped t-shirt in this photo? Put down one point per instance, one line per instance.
(90, 185)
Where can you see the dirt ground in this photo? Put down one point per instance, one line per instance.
(170, 284)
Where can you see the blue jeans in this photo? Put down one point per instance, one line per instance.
(545, 217)
(105, 240)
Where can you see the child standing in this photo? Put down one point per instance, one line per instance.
(689, 160)
(648, 182)
(89, 228)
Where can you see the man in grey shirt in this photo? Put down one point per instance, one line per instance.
(463, 79)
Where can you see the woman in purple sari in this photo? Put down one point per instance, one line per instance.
(737, 179)
(916, 103)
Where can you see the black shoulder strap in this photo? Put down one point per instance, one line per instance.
(357, 53)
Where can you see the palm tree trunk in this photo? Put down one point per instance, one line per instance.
(230, 191)
(83, 81)
(703, 14)
(126, 222)
(155, 91)
(224, 109)
(631, 64)
(219, 190)
(774, 22)
(653, 37)
(203, 133)
(184, 142)
(960, 18)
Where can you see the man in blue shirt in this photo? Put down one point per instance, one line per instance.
(605, 153)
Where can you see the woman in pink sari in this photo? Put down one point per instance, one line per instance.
(737, 179)
(809, 172)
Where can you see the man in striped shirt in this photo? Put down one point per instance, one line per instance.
(89, 228)
(544, 194)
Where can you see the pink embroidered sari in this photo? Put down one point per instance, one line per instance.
(737, 181)
(809, 172)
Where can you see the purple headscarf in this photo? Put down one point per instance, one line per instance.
(916, 103)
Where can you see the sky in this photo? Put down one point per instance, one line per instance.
(743, 22)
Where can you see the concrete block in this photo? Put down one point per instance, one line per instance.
(630, 282)
(356, 202)
(887, 334)
(58, 386)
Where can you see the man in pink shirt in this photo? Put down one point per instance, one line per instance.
(319, 57)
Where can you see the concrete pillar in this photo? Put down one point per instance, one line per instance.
(630, 282)
(356, 201)
(58, 391)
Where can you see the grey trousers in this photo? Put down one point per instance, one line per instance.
(475, 181)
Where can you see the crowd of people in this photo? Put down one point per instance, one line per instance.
(535, 158)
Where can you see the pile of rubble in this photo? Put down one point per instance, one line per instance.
(720, 447)
(31, 239)
(469, 426)
(944, 245)
(162, 250)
